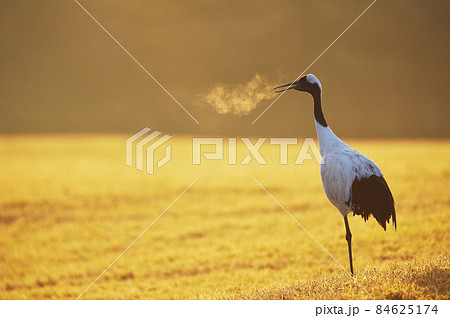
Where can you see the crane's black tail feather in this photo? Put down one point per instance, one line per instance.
(372, 196)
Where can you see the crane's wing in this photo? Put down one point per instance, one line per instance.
(372, 196)
(352, 180)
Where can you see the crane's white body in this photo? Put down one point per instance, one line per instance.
(341, 164)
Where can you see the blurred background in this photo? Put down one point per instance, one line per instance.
(386, 77)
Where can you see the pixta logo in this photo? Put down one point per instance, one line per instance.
(145, 143)
(253, 150)
(308, 150)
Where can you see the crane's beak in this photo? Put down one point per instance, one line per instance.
(289, 86)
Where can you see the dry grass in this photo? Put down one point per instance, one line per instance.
(69, 206)
(419, 279)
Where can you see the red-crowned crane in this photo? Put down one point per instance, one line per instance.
(352, 182)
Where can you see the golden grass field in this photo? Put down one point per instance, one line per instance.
(69, 206)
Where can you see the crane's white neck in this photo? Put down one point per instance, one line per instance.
(327, 139)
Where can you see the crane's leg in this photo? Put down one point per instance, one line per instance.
(348, 237)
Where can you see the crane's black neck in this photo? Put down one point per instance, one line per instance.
(318, 114)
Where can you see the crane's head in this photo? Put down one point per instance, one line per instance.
(308, 83)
